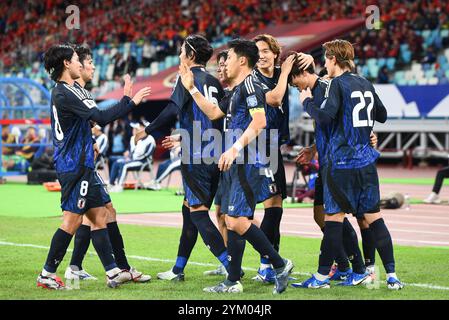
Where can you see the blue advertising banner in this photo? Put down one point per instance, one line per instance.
(402, 102)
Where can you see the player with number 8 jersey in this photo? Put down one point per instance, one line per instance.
(72, 109)
(72, 140)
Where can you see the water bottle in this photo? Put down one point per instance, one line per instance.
(407, 202)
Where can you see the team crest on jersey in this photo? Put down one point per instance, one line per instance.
(251, 101)
(81, 203)
(273, 188)
(89, 103)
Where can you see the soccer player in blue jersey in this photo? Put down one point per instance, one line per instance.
(350, 179)
(243, 182)
(223, 78)
(82, 236)
(199, 171)
(302, 79)
(71, 111)
(274, 80)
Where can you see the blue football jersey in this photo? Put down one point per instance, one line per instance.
(322, 134)
(353, 104)
(71, 108)
(191, 117)
(245, 96)
(277, 117)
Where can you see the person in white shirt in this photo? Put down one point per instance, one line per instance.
(101, 139)
(134, 158)
(167, 167)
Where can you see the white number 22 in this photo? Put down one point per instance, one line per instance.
(356, 122)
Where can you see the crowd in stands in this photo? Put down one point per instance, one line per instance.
(161, 25)
(401, 38)
(158, 27)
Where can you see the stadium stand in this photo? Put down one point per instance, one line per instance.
(409, 48)
(151, 34)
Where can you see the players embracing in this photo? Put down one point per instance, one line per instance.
(350, 180)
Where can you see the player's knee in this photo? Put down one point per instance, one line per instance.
(71, 222)
(362, 224)
(111, 212)
(98, 217)
(221, 220)
(318, 216)
(199, 207)
(238, 225)
(372, 217)
(86, 221)
(275, 201)
(337, 217)
(231, 223)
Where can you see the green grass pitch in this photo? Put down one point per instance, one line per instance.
(21, 200)
(423, 269)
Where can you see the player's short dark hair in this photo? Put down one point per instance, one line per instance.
(83, 51)
(247, 49)
(222, 54)
(198, 47)
(296, 69)
(323, 72)
(54, 59)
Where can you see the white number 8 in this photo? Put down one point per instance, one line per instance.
(58, 131)
(84, 188)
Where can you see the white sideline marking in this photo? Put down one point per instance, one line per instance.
(4, 243)
(427, 286)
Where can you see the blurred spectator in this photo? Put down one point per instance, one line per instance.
(119, 66)
(9, 138)
(130, 66)
(166, 168)
(148, 54)
(131, 160)
(27, 152)
(383, 76)
(430, 56)
(439, 179)
(21, 159)
(101, 139)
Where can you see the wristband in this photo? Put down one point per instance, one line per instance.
(193, 91)
(238, 146)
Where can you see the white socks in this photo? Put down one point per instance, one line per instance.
(320, 277)
(264, 266)
(391, 275)
(45, 273)
(113, 272)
